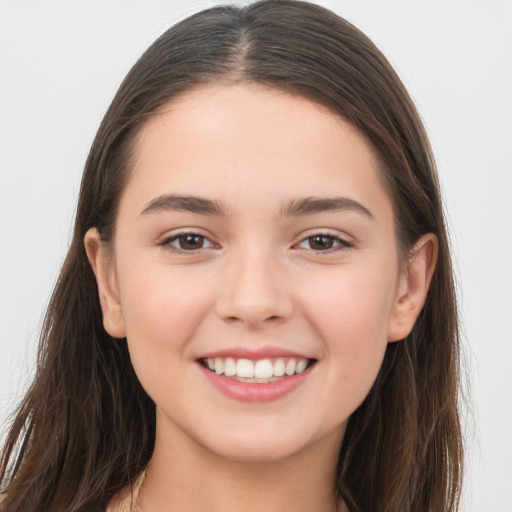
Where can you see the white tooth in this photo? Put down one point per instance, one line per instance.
(263, 369)
(211, 364)
(279, 368)
(301, 365)
(261, 381)
(229, 367)
(245, 368)
(290, 367)
(219, 366)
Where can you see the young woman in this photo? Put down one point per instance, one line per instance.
(257, 307)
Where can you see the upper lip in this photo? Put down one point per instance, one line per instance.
(254, 354)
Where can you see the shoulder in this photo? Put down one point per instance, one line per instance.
(120, 502)
(111, 507)
(126, 498)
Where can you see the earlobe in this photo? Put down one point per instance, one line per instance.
(413, 287)
(104, 271)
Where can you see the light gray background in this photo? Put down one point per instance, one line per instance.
(60, 64)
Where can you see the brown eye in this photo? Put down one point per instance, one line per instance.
(187, 242)
(321, 242)
(324, 243)
(190, 242)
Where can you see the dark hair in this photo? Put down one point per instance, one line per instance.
(86, 427)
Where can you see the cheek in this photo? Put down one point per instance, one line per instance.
(351, 313)
(162, 311)
(352, 305)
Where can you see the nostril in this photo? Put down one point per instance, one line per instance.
(273, 318)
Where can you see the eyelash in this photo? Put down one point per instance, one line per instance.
(338, 243)
(341, 243)
(167, 242)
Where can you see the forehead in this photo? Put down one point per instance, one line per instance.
(247, 111)
(229, 139)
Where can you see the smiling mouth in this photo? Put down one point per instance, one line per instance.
(260, 371)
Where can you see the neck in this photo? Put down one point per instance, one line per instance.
(186, 477)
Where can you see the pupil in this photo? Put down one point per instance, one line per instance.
(321, 242)
(191, 242)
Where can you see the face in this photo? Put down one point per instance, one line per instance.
(254, 271)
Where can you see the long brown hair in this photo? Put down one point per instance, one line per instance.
(86, 428)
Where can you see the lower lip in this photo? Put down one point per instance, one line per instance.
(253, 391)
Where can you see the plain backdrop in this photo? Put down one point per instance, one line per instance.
(60, 64)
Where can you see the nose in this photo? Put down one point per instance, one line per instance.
(254, 291)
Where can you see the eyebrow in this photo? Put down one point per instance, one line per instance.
(295, 208)
(191, 204)
(313, 205)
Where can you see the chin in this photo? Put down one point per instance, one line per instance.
(258, 445)
(251, 452)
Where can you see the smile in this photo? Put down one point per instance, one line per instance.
(260, 371)
(250, 377)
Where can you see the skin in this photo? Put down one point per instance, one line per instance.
(258, 280)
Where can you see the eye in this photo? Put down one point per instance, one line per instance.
(187, 242)
(324, 242)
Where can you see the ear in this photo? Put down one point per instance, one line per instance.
(104, 269)
(413, 287)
